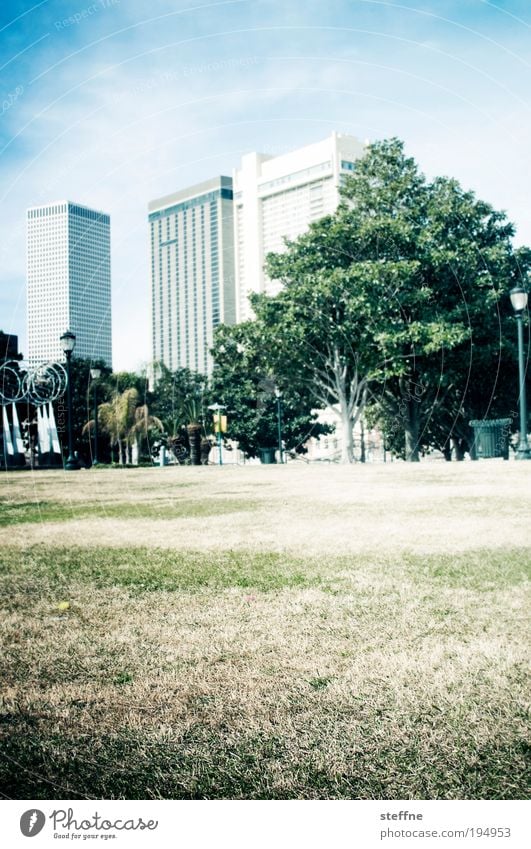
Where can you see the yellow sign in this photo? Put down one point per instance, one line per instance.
(220, 424)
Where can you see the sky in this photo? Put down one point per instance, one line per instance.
(112, 103)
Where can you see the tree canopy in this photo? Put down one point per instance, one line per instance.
(178, 398)
(396, 301)
(243, 381)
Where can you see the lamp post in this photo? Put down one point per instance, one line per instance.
(278, 394)
(95, 374)
(217, 408)
(519, 301)
(68, 343)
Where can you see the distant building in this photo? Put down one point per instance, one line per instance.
(277, 197)
(8, 347)
(69, 281)
(192, 272)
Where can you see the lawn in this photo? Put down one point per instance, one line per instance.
(266, 632)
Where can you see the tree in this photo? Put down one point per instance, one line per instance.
(392, 298)
(142, 427)
(126, 422)
(319, 343)
(243, 381)
(82, 401)
(177, 398)
(467, 265)
(122, 380)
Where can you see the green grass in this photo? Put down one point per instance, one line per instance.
(206, 765)
(142, 570)
(16, 513)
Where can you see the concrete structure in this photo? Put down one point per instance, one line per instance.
(278, 197)
(192, 272)
(69, 281)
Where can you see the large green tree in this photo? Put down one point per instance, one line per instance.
(243, 381)
(317, 335)
(467, 264)
(397, 300)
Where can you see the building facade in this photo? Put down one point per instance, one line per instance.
(69, 281)
(278, 197)
(192, 272)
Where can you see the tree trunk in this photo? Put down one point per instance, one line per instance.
(194, 438)
(411, 429)
(347, 442)
(206, 447)
(459, 450)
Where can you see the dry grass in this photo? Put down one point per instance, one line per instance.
(318, 509)
(266, 633)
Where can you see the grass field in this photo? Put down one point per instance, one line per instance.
(266, 632)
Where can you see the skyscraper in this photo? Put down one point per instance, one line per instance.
(69, 281)
(277, 197)
(192, 272)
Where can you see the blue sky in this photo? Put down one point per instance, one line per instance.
(112, 104)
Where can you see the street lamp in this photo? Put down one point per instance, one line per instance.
(68, 343)
(519, 301)
(95, 374)
(217, 408)
(278, 394)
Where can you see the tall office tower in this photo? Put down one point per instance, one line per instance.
(192, 272)
(277, 197)
(69, 281)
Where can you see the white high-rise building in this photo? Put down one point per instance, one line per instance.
(69, 281)
(192, 272)
(278, 197)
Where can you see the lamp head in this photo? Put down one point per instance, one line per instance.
(95, 373)
(518, 299)
(68, 342)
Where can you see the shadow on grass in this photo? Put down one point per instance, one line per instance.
(207, 764)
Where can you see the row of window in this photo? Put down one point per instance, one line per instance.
(61, 208)
(44, 212)
(210, 197)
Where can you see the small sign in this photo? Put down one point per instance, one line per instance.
(220, 424)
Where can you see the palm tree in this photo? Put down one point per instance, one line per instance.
(194, 414)
(125, 421)
(142, 424)
(116, 419)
